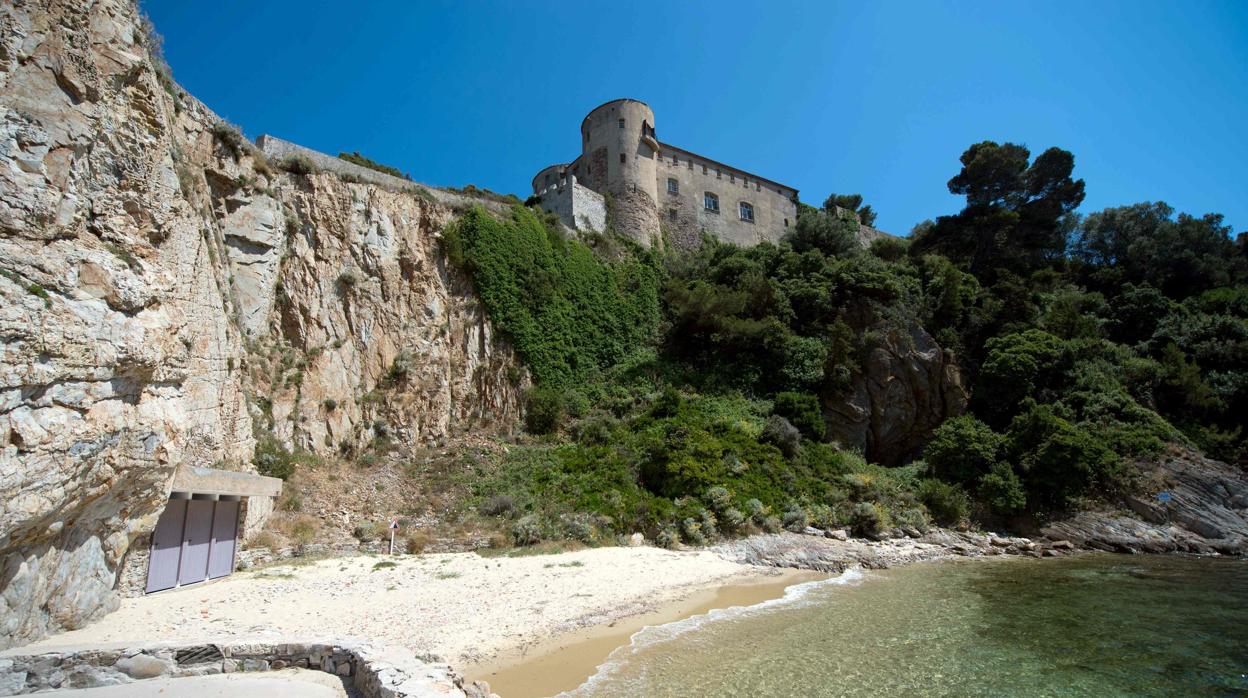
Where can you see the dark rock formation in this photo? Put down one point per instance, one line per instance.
(907, 387)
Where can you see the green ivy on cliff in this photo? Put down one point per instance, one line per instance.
(568, 313)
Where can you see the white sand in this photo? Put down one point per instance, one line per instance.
(461, 607)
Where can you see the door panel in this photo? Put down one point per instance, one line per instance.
(162, 566)
(224, 528)
(196, 540)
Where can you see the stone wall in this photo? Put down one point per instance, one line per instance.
(579, 207)
(373, 672)
(684, 215)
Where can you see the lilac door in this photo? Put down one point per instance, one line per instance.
(162, 566)
(224, 528)
(196, 540)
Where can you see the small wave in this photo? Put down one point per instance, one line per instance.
(794, 597)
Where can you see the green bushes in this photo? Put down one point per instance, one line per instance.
(356, 158)
(568, 313)
(962, 449)
(803, 411)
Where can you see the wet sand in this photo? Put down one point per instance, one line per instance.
(565, 662)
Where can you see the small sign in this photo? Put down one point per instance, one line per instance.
(1163, 496)
(394, 524)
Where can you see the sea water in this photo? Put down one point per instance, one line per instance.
(1088, 625)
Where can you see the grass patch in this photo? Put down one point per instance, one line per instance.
(384, 565)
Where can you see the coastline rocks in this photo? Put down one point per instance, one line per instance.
(835, 554)
(1203, 511)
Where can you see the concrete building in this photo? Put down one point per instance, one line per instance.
(197, 535)
(653, 188)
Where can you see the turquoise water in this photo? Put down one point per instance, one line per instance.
(1094, 625)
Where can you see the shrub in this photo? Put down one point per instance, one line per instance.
(297, 165)
(527, 531)
(772, 524)
(230, 138)
(266, 539)
(803, 411)
(1002, 490)
(691, 532)
(578, 527)
(304, 529)
(794, 518)
(371, 531)
(499, 505)
(778, 431)
(417, 542)
(755, 510)
(866, 519)
(356, 158)
(963, 449)
(709, 524)
(330, 404)
(821, 516)
(947, 503)
(543, 410)
(732, 519)
(719, 498)
(667, 538)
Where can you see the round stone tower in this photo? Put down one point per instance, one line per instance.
(619, 157)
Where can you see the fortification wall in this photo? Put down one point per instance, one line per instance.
(620, 151)
(684, 213)
(276, 149)
(578, 206)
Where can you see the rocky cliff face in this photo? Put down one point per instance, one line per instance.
(907, 387)
(161, 288)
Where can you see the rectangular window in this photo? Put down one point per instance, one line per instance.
(732, 178)
(718, 174)
(622, 158)
(621, 123)
(747, 212)
(710, 202)
(758, 187)
(704, 169)
(671, 214)
(673, 187)
(690, 163)
(675, 161)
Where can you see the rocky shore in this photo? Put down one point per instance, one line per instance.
(834, 552)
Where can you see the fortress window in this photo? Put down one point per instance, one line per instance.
(758, 187)
(623, 157)
(673, 187)
(732, 178)
(747, 212)
(671, 214)
(621, 123)
(710, 202)
(690, 163)
(718, 174)
(786, 222)
(704, 169)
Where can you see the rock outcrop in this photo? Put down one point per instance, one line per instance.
(1188, 503)
(907, 387)
(164, 291)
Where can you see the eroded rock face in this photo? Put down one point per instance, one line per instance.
(113, 362)
(154, 277)
(908, 386)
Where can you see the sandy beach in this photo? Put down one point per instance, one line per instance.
(468, 610)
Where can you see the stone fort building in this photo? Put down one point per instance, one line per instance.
(651, 186)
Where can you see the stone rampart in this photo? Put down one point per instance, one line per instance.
(578, 206)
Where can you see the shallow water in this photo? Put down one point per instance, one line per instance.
(1094, 625)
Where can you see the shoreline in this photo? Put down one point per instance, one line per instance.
(565, 661)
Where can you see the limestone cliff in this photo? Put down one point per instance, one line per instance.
(162, 288)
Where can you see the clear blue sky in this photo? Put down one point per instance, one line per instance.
(878, 98)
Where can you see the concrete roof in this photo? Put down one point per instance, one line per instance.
(209, 481)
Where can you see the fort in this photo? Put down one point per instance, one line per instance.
(654, 189)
